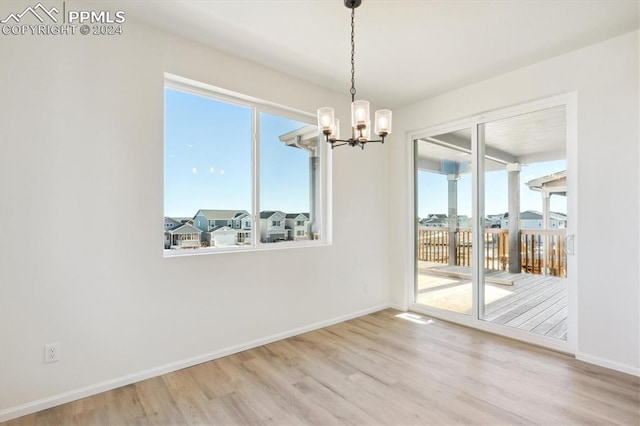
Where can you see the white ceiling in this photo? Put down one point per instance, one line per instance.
(405, 50)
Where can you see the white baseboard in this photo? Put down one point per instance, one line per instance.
(629, 369)
(73, 395)
(402, 308)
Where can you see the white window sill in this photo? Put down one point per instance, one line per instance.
(243, 249)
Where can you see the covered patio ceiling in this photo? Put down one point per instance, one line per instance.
(525, 139)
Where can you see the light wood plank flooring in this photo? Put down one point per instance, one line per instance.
(386, 368)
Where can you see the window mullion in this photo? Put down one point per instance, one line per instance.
(256, 177)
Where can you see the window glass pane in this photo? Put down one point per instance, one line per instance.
(444, 240)
(287, 179)
(208, 162)
(525, 264)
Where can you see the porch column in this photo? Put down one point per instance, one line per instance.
(452, 180)
(545, 209)
(546, 196)
(513, 173)
(314, 192)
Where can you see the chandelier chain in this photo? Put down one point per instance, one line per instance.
(353, 62)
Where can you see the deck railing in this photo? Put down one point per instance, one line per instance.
(541, 251)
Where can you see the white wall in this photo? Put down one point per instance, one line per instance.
(82, 214)
(605, 77)
(81, 136)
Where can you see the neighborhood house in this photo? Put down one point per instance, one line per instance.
(223, 228)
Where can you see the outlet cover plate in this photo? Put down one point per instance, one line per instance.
(51, 352)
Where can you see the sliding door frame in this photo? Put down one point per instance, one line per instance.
(476, 123)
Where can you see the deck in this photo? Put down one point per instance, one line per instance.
(535, 303)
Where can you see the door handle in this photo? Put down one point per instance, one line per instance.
(569, 244)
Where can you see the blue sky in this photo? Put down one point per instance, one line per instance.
(208, 158)
(284, 180)
(208, 165)
(432, 191)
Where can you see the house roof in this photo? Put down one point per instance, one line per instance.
(555, 183)
(535, 215)
(557, 216)
(185, 229)
(531, 215)
(268, 213)
(178, 220)
(222, 214)
(435, 220)
(295, 215)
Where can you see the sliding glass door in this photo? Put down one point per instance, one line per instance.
(491, 220)
(525, 191)
(443, 229)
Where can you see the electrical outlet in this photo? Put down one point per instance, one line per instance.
(51, 352)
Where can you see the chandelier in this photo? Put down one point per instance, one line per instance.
(360, 116)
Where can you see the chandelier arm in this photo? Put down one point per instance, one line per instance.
(352, 141)
(344, 141)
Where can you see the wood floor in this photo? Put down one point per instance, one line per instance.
(535, 303)
(385, 368)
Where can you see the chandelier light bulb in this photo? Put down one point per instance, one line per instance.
(359, 114)
(326, 120)
(335, 131)
(383, 122)
(364, 134)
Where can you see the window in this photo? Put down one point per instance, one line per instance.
(231, 160)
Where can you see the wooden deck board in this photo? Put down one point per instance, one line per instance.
(547, 325)
(535, 303)
(559, 331)
(530, 314)
(495, 277)
(532, 291)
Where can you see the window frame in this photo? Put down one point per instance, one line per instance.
(259, 106)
